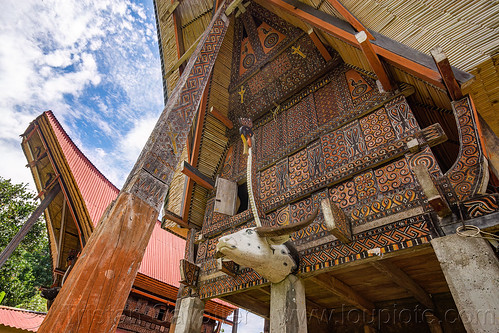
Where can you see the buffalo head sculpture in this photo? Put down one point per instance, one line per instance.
(265, 249)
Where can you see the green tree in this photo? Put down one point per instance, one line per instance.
(29, 267)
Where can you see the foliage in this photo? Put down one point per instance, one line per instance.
(29, 267)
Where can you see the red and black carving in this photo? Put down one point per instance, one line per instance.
(401, 116)
(467, 173)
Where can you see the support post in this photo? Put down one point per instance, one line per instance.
(471, 270)
(9, 249)
(190, 315)
(288, 312)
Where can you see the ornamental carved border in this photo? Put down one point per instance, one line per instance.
(389, 238)
(468, 173)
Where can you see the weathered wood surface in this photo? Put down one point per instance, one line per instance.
(94, 295)
(10, 248)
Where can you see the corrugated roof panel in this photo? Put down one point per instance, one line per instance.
(162, 256)
(21, 319)
(97, 191)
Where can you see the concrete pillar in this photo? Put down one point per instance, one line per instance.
(190, 316)
(472, 273)
(288, 312)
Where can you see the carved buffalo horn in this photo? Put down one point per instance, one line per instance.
(286, 229)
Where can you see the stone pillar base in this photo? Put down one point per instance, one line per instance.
(190, 316)
(288, 312)
(472, 273)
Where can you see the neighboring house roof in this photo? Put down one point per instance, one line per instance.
(21, 319)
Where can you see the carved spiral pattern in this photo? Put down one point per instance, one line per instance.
(344, 194)
(271, 40)
(283, 216)
(298, 168)
(334, 149)
(249, 60)
(377, 129)
(393, 176)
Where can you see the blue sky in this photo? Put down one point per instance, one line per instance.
(95, 64)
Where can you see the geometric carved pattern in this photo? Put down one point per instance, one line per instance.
(467, 174)
(399, 235)
(365, 186)
(481, 206)
(327, 103)
(385, 205)
(268, 186)
(354, 139)
(425, 157)
(360, 90)
(300, 119)
(344, 194)
(315, 161)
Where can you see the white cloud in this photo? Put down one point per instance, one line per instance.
(94, 63)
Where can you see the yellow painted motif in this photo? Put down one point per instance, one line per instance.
(296, 50)
(241, 93)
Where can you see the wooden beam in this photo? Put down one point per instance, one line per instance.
(197, 176)
(9, 249)
(308, 14)
(198, 133)
(169, 10)
(223, 119)
(374, 62)
(399, 277)
(175, 218)
(179, 37)
(183, 58)
(446, 73)
(343, 291)
(62, 229)
(318, 44)
(356, 24)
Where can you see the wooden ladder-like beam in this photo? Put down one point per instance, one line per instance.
(14, 243)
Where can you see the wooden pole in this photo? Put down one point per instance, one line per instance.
(94, 295)
(10, 248)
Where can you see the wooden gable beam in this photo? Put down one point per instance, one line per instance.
(374, 62)
(108, 260)
(179, 38)
(197, 176)
(9, 249)
(345, 292)
(321, 20)
(193, 159)
(223, 119)
(356, 24)
(318, 44)
(445, 70)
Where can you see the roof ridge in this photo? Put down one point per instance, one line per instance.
(22, 310)
(51, 115)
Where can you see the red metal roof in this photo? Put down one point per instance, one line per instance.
(21, 319)
(97, 191)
